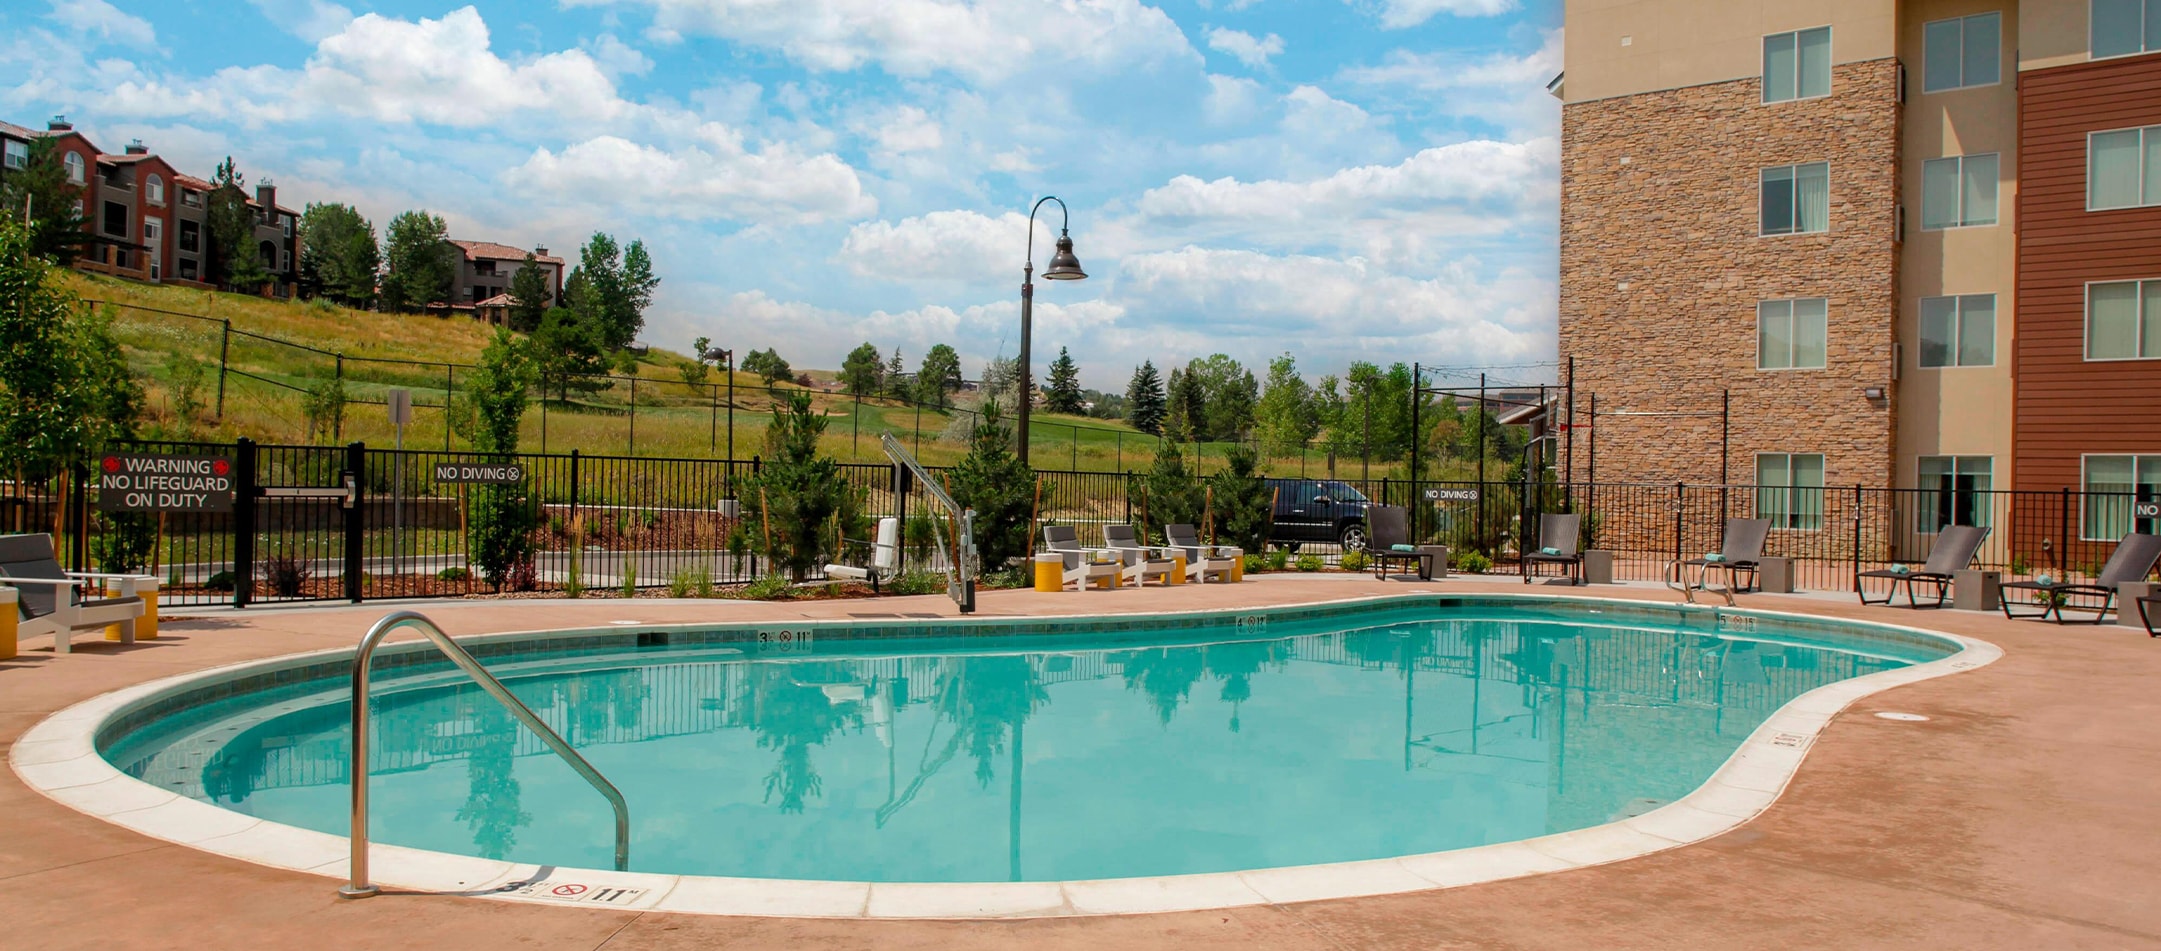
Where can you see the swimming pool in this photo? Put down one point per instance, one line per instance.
(1036, 751)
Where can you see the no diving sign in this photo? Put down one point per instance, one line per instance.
(139, 483)
(507, 473)
(576, 893)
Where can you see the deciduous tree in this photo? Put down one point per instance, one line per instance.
(421, 260)
(939, 377)
(54, 205)
(859, 371)
(338, 257)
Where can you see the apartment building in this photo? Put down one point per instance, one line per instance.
(484, 273)
(149, 221)
(1911, 243)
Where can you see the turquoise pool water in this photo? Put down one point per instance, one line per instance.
(1243, 744)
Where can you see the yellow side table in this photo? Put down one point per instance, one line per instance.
(145, 587)
(10, 616)
(1049, 573)
(1178, 568)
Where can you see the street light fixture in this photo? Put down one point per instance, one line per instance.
(1063, 267)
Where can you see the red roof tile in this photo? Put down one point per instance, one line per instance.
(490, 251)
(499, 300)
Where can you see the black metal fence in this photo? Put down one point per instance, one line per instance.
(615, 522)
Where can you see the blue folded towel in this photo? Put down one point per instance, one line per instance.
(1403, 548)
(2044, 579)
(1549, 550)
(1715, 557)
(1902, 569)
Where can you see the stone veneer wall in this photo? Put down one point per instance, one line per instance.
(1662, 268)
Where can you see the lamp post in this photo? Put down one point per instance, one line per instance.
(1063, 267)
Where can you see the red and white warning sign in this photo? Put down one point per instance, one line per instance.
(583, 893)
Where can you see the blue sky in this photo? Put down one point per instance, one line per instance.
(1337, 179)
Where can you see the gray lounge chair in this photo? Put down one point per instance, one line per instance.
(1391, 534)
(1563, 534)
(1740, 552)
(1952, 551)
(2149, 611)
(2133, 560)
(51, 599)
(1141, 562)
(1080, 569)
(1202, 561)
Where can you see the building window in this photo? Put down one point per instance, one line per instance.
(287, 221)
(285, 261)
(190, 236)
(116, 219)
(1797, 199)
(187, 270)
(1954, 491)
(1789, 490)
(18, 153)
(2112, 484)
(2123, 320)
(74, 163)
(191, 198)
(154, 190)
(486, 268)
(1961, 52)
(1790, 334)
(2125, 27)
(1958, 331)
(2123, 168)
(1958, 192)
(1797, 65)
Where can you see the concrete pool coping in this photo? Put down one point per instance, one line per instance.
(58, 758)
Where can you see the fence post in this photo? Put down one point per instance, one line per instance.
(573, 516)
(337, 418)
(1680, 505)
(1857, 503)
(450, 386)
(225, 350)
(356, 467)
(243, 522)
(633, 416)
(79, 517)
(2063, 536)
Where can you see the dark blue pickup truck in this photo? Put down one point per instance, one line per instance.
(1318, 510)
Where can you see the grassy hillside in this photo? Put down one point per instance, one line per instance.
(167, 329)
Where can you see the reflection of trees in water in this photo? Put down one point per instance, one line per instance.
(1162, 674)
(986, 698)
(1236, 663)
(791, 714)
(491, 798)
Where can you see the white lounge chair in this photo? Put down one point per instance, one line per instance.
(52, 599)
(884, 557)
(1202, 561)
(1080, 568)
(1141, 562)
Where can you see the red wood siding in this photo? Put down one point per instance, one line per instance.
(2066, 405)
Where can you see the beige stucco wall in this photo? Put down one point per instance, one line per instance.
(2051, 33)
(1962, 411)
(1675, 43)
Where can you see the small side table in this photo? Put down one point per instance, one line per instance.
(1597, 567)
(1432, 562)
(1975, 590)
(1774, 575)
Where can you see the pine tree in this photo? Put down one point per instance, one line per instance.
(999, 487)
(232, 232)
(1144, 399)
(1064, 395)
(529, 287)
(1186, 412)
(1169, 494)
(798, 500)
(501, 522)
(1241, 504)
(57, 229)
(897, 384)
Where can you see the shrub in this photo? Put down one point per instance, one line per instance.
(523, 576)
(453, 573)
(574, 579)
(1255, 563)
(1470, 562)
(702, 583)
(287, 574)
(1309, 562)
(630, 574)
(1169, 494)
(124, 541)
(917, 582)
(766, 588)
(1278, 560)
(798, 505)
(999, 487)
(680, 586)
(1354, 561)
(221, 581)
(1242, 507)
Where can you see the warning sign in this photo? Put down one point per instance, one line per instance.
(2146, 510)
(136, 483)
(576, 892)
(479, 473)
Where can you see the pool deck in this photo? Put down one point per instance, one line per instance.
(2022, 815)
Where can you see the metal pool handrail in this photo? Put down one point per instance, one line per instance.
(360, 887)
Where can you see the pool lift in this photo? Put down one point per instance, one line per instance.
(959, 532)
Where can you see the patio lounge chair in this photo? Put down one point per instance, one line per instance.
(2133, 559)
(1390, 542)
(1141, 563)
(52, 599)
(884, 557)
(2149, 611)
(1202, 561)
(1080, 569)
(1740, 552)
(1559, 540)
(1952, 551)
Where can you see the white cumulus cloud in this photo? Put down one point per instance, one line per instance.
(717, 178)
(310, 20)
(1245, 47)
(1401, 14)
(942, 245)
(105, 21)
(977, 39)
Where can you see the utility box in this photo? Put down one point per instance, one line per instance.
(1597, 567)
(1975, 590)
